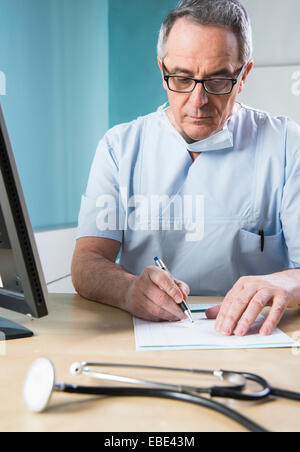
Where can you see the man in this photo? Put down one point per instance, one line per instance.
(227, 178)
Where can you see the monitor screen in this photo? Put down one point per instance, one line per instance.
(22, 284)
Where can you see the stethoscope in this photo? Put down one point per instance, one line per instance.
(40, 384)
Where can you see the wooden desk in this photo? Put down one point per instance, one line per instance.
(79, 330)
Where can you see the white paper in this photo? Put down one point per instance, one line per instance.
(202, 335)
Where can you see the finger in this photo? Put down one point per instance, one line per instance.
(280, 304)
(147, 310)
(184, 288)
(165, 282)
(165, 306)
(228, 319)
(238, 307)
(256, 305)
(212, 313)
(226, 304)
(163, 312)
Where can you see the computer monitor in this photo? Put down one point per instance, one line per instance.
(22, 284)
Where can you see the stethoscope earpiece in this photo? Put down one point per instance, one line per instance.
(76, 368)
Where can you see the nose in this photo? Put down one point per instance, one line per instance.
(199, 96)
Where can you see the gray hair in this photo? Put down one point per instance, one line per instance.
(229, 14)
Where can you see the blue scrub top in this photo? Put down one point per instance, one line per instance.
(201, 218)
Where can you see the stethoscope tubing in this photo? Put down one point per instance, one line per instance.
(231, 392)
(144, 366)
(290, 395)
(161, 393)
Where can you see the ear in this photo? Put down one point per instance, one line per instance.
(159, 62)
(247, 71)
(162, 74)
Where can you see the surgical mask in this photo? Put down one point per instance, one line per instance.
(218, 141)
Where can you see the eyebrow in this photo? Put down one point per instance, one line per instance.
(223, 71)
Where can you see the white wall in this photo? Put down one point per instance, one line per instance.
(276, 32)
(274, 89)
(56, 251)
(274, 84)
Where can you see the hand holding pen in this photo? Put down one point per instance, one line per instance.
(154, 295)
(183, 306)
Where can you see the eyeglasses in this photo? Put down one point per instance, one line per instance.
(217, 86)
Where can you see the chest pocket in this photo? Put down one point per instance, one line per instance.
(254, 261)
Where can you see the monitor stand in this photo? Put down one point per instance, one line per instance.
(11, 330)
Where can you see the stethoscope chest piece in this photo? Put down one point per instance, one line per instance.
(38, 385)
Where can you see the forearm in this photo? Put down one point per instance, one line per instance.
(101, 280)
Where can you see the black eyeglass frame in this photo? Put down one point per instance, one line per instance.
(233, 80)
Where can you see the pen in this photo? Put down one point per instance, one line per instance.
(262, 242)
(184, 307)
